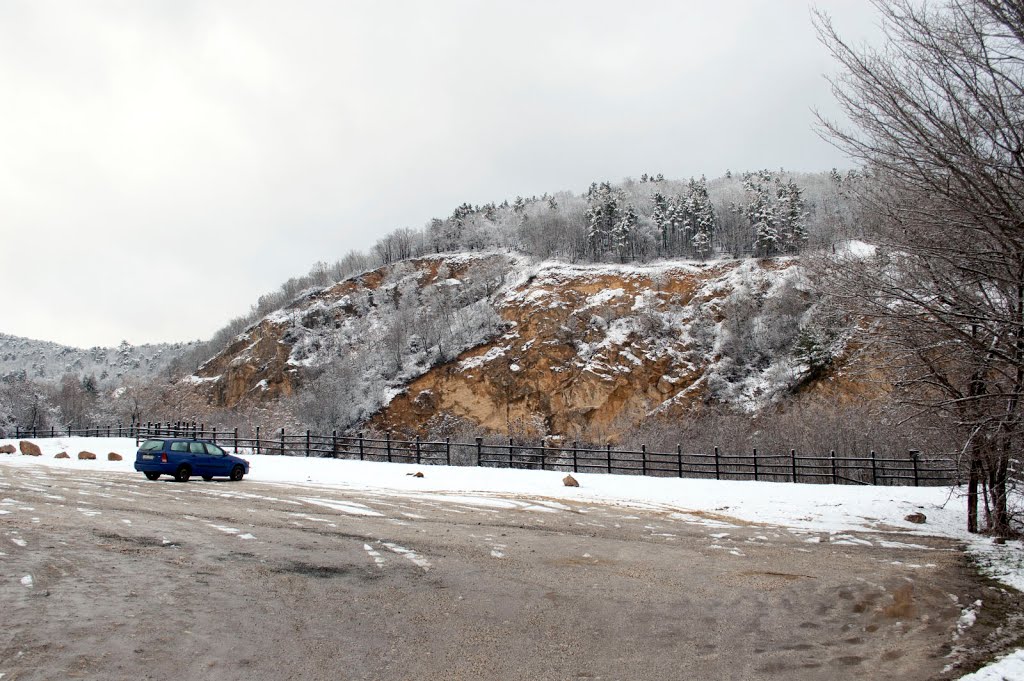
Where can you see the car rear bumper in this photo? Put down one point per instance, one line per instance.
(154, 467)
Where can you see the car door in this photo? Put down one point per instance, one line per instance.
(178, 455)
(201, 464)
(218, 459)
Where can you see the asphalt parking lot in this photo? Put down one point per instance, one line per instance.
(111, 576)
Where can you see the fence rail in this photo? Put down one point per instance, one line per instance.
(913, 469)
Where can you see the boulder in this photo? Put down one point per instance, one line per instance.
(86, 456)
(570, 481)
(114, 456)
(7, 449)
(29, 448)
(62, 455)
(917, 518)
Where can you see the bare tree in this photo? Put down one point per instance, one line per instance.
(938, 116)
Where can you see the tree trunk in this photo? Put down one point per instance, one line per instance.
(999, 520)
(972, 493)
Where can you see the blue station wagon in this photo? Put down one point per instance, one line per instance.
(185, 457)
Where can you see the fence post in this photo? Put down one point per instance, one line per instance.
(874, 469)
(913, 459)
(108, 432)
(832, 456)
(679, 459)
(17, 432)
(334, 444)
(235, 448)
(418, 457)
(447, 451)
(755, 464)
(282, 442)
(52, 431)
(35, 431)
(479, 449)
(214, 440)
(307, 443)
(643, 459)
(575, 455)
(257, 439)
(792, 463)
(608, 450)
(543, 455)
(510, 446)
(718, 469)
(361, 450)
(387, 439)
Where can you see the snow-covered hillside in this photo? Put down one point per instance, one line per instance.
(48, 362)
(606, 346)
(349, 347)
(491, 339)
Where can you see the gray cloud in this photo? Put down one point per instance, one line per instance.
(164, 163)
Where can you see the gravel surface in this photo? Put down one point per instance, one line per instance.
(110, 576)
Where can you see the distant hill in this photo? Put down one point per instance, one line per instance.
(46, 362)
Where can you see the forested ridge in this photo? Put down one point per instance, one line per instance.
(749, 214)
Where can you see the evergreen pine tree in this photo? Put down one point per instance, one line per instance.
(661, 220)
(623, 233)
(791, 217)
(703, 218)
(761, 212)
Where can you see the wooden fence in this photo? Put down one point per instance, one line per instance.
(870, 469)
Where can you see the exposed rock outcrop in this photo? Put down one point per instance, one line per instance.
(576, 349)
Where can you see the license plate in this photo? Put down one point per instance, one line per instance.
(148, 456)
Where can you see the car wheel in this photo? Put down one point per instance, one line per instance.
(237, 472)
(183, 473)
(207, 478)
(152, 475)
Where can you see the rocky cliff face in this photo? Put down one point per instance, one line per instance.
(597, 349)
(388, 326)
(540, 348)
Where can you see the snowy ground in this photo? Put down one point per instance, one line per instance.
(815, 509)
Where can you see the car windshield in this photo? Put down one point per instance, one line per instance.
(151, 445)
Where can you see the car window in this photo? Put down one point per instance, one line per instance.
(152, 445)
(196, 448)
(179, 446)
(214, 449)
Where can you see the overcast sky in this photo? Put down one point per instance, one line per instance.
(164, 163)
